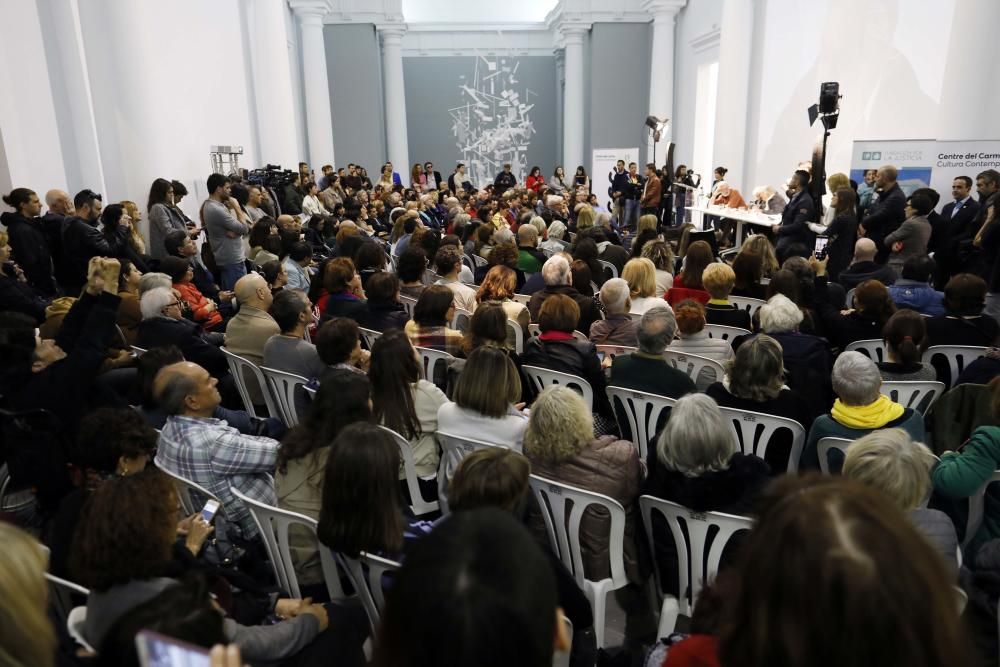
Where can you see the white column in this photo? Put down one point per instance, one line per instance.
(272, 82)
(661, 71)
(573, 101)
(560, 81)
(968, 104)
(316, 86)
(395, 98)
(735, 47)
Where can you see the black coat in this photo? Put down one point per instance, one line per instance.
(589, 312)
(30, 249)
(82, 240)
(53, 224)
(843, 329)
(384, 316)
(186, 335)
(20, 298)
(571, 356)
(795, 219)
(729, 316)
(885, 215)
(843, 233)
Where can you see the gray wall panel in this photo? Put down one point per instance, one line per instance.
(354, 69)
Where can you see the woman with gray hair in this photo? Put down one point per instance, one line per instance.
(697, 464)
(858, 410)
(617, 327)
(895, 464)
(554, 242)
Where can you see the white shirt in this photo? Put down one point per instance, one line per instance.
(311, 205)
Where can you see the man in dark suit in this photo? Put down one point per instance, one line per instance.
(432, 176)
(794, 235)
(651, 193)
(957, 224)
(886, 213)
(618, 184)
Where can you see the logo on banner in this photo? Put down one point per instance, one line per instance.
(871, 155)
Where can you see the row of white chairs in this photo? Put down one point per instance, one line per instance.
(957, 356)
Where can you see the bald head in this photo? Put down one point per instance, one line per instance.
(864, 250)
(885, 177)
(289, 223)
(59, 202)
(252, 290)
(186, 388)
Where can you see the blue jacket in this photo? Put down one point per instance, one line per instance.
(917, 296)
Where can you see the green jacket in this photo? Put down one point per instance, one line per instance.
(825, 426)
(960, 474)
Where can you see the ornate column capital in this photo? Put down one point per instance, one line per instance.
(663, 10)
(391, 33)
(310, 12)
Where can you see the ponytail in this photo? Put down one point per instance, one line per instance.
(906, 335)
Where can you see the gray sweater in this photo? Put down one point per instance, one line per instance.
(914, 234)
(162, 221)
(218, 221)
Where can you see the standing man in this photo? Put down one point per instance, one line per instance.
(458, 180)
(60, 210)
(504, 181)
(632, 195)
(886, 213)
(254, 211)
(82, 240)
(324, 180)
(794, 235)
(618, 183)
(226, 225)
(958, 218)
(652, 193)
(26, 234)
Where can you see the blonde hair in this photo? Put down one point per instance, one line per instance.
(560, 426)
(4, 238)
(758, 243)
(584, 218)
(647, 221)
(718, 279)
(838, 181)
(640, 274)
(890, 461)
(26, 635)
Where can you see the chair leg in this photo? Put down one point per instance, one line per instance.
(598, 602)
(668, 617)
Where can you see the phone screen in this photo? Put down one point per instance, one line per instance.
(600, 356)
(820, 249)
(156, 650)
(209, 510)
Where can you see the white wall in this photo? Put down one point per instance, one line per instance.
(696, 45)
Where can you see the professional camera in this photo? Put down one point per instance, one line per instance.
(272, 176)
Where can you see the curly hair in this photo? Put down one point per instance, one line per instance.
(690, 316)
(504, 254)
(126, 530)
(109, 434)
(560, 426)
(498, 285)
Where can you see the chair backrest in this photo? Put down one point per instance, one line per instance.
(724, 332)
(823, 448)
(61, 592)
(522, 298)
(849, 298)
(754, 432)
(274, 524)
(541, 378)
(562, 509)
(467, 260)
(643, 413)
(976, 502)
(368, 337)
(874, 349)
(192, 495)
(409, 303)
(614, 350)
(283, 387)
(912, 393)
(138, 351)
(367, 573)
(747, 303)
(479, 261)
(693, 364)
(430, 358)
(454, 448)
(75, 622)
(418, 505)
(461, 319)
(609, 268)
(957, 356)
(534, 330)
(697, 558)
(515, 331)
(240, 368)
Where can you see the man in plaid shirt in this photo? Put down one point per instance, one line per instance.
(208, 451)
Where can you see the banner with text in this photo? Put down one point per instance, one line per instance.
(602, 171)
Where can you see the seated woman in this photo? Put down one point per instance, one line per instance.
(718, 279)
(617, 327)
(871, 309)
(688, 283)
(410, 268)
(964, 322)
(28, 636)
(696, 464)
(961, 474)
(385, 312)
(662, 257)
(640, 274)
(748, 270)
(129, 314)
(204, 311)
(755, 381)
(344, 295)
(431, 317)
(693, 339)
(858, 410)
(499, 287)
(276, 276)
(405, 402)
(342, 399)
(369, 259)
(362, 509)
(905, 338)
(556, 349)
(893, 463)
(503, 254)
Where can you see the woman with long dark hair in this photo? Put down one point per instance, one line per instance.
(843, 231)
(164, 217)
(113, 217)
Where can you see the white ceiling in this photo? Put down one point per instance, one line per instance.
(476, 11)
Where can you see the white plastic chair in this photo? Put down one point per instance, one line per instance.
(61, 592)
(239, 368)
(74, 626)
(418, 505)
(138, 351)
(958, 357)
(541, 378)
(564, 537)
(608, 266)
(366, 573)
(479, 261)
(874, 349)
(409, 303)
(454, 448)
(642, 411)
(692, 364)
(697, 562)
(467, 260)
(823, 448)
(522, 298)
(273, 524)
(725, 332)
(976, 502)
(918, 395)
(192, 495)
(369, 336)
(283, 387)
(431, 358)
(535, 330)
(754, 432)
(461, 319)
(515, 331)
(614, 350)
(747, 303)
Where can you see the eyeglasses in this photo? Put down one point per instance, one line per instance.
(171, 305)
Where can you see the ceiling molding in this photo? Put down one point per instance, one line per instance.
(706, 40)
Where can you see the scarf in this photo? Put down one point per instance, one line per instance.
(874, 415)
(548, 336)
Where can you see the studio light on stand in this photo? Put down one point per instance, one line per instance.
(827, 110)
(657, 126)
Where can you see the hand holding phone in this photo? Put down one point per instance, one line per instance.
(156, 650)
(820, 249)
